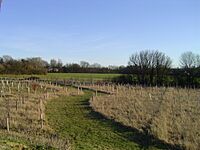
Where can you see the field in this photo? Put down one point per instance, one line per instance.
(170, 114)
(22, 118)
(73, 118)
(69, 76)
(44, 115)
(41, 115)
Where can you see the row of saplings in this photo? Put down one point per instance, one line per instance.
(170, 114)
(22, 107)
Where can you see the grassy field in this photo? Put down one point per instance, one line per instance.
(72, 117)
(22, 115)
(46, 116)
(17, 141)
(170, 114)
(76, 76)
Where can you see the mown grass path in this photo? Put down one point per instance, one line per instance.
(73, 118)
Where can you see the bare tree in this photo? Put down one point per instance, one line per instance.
(59, 63)
(162, 63)
(95, 65)
(53, 63)
(141, 62)
(187, 60)
(84, 64)
(7, 58)
(149, 65)
(197, 60)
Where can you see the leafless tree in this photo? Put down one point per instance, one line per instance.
(197, 60)
(187, 60)
(7, 58)
(161, 63)
(59, 63)
(53, 63)
(95, 65)
(84, 64)
(150, 64)
(190, 61)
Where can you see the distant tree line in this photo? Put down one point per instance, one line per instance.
(36, 65)
(148, 67)
(56, 66)
(153, 68)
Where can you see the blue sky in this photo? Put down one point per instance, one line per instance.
(103, 31)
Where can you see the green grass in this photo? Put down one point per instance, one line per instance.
(77, 76)
(17, 142)
(73, 118)
(82, 76)
(7, 142)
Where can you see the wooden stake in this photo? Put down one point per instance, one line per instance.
(8, 124)
(16, 104)
(96, 93)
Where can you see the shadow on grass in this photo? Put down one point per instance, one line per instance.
(144, 140)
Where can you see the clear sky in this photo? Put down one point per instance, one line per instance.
(103, 31)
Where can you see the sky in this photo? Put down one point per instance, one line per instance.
(102, 31)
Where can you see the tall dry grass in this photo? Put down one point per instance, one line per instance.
(171, 114)
(22, 110)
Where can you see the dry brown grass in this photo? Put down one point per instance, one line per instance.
(22, 110)
(171, 114)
